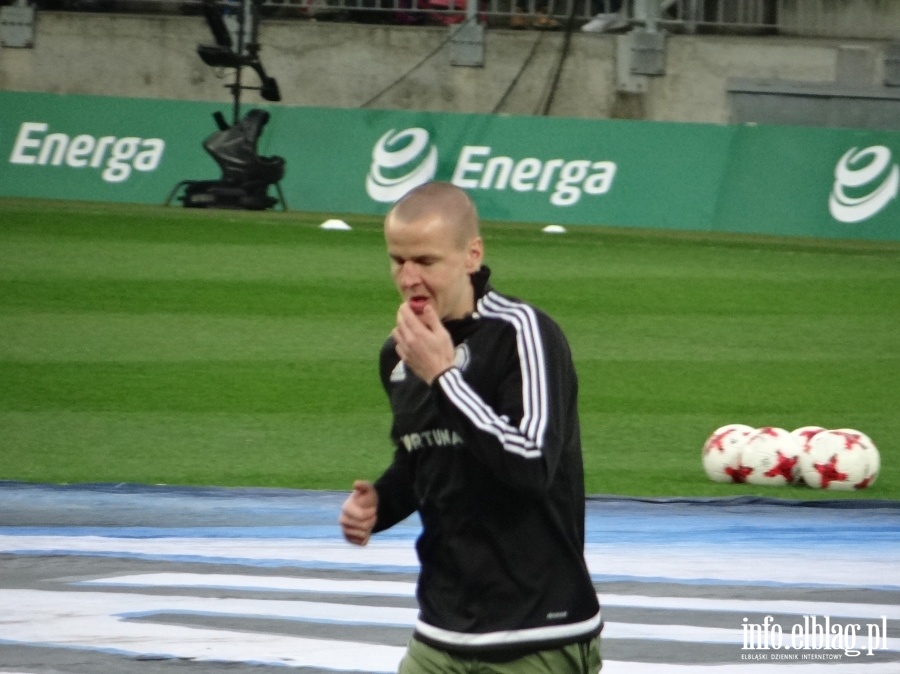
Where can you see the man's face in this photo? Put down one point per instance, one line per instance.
(431, 265)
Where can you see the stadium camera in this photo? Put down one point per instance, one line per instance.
(269, 89)
(245, 53)
(217, 24)
(218, 56)
(246, 176)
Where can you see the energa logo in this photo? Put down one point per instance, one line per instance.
(114, 158)
(405, 159)
(865, 182)
(401, 160)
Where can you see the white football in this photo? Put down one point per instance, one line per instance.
(840, 459)
(804, 434)
(721, 453)
(772, 454)
(870, 451)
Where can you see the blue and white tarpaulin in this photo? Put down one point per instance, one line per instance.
(136, 577)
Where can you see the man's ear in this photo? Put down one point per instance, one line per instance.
(474, 255)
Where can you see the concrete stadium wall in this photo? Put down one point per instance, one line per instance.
(346, 65)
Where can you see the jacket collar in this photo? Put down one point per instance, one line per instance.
(481, 284)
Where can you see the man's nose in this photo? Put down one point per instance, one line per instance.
(409, 274)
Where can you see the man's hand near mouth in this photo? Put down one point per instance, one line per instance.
(423, 342)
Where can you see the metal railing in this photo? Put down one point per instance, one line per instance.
(675, 16)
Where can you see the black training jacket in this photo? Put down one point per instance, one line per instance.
(490, 456)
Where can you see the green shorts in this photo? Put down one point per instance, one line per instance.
(583, 658)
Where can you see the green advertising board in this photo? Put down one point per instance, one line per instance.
(774, 180)
(567, 171)
(100, 149)
(801, 181)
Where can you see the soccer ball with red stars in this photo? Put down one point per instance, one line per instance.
(804, 436)
(721, 453)
(772, 455)
(844, 459)
(823, 459)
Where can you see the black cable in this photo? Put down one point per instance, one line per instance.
(570, 25)
(418, 65)
(515, 79)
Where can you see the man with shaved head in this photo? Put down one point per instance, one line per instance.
(487, 450)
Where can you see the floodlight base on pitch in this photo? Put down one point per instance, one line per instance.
(554, 229)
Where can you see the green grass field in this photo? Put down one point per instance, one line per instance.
(167, 345)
